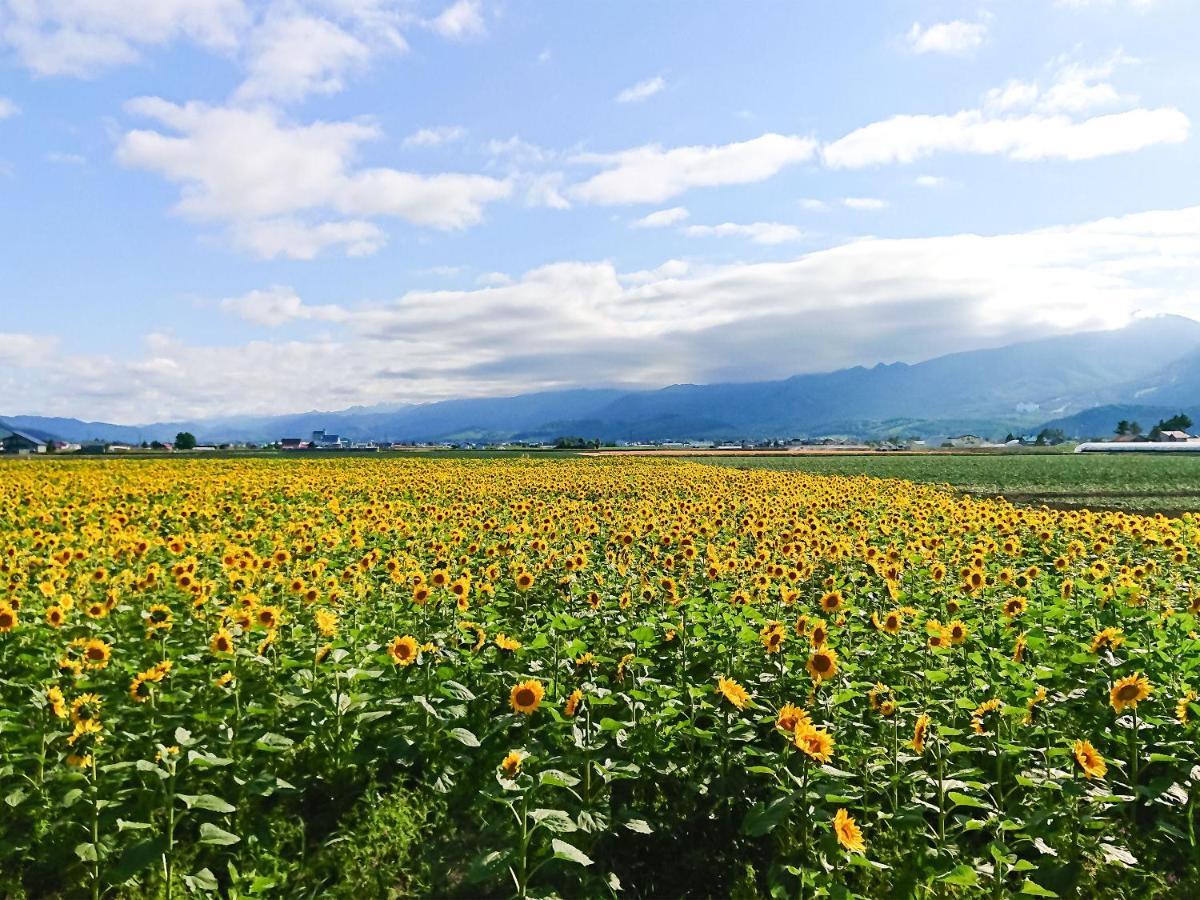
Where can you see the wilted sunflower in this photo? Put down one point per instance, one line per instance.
(1183, 707)
(1090, 760)
(822, 665)
(1129, 691)
(526, 696)
(1019, 648)
(403, 650)
(849, 835)
(733, 692)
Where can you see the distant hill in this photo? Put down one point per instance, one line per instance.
(1151, 368)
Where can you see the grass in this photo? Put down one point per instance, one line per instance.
(1139, 483)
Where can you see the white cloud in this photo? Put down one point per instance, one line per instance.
(461, 21)
(295, 239)
(813, 204)
(642, 90)
(8, 108)
(759, 232)
(662, 218)
(277, 306)
(905, 299)
(651, 174)
(292, 56)
(66, 159)
(930, 181)
(955, 38)
(494, 279)
(26, 350)
(251, 169)
(905, 139)
(82, 37)
(545, 190)
(868, 204)
(432, 137)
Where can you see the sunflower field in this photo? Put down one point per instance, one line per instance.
(585, 678)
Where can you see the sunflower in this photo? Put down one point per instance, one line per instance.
(832, 601)
(504, 642)
(56, 702)
(957, 632)
(322, 652)
(1014, 606)
(1110, 637)
(267, 617)
(511, 764)
(524, 580)
(822, 665)
(772, 636)
(979, 715)
(1090, 760)
(818, 633)
(1183, 707)
(791, 717)
(1019, 648)
(8, 618)
(1032, 704)
(55, 616)
(403, 650)
(96, 654)
(221, 642)
(849, 835)
(733, 692)
(1129, 691)
(572, 704)
(327, 622)
(158, 617)
(817, 743)
(526, 696)
(85, 708)
(920, 732)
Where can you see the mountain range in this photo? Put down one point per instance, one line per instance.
(1082, 383)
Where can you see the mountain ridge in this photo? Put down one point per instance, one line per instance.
(1150, 364)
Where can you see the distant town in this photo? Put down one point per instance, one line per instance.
(1170, 435)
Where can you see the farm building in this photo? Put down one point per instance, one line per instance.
(14, 441)
(1139, 447)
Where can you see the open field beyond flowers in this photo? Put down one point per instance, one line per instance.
(585, 678)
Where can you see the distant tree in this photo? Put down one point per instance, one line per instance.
(1123, 427)
(1009, 438)
(1177, 422)
(157, 445)
(185, 440)
(1135, 429)
(1051, 436)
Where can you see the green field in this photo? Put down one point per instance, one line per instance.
(1135, 482)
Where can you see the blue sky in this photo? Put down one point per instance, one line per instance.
(224, 206)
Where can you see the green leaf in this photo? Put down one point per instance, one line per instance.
(126, 825)
(1118, 855)
(641, 826)
(204, 880)
(555, 820)
(1033, 889)
(563, 850)
(764, 817)
(961, 875)
(464, 737)
(207, 801)
(137, 857)
(961, 799)
(556, 778)
(211, 834)
(86, 852)
(273, 743)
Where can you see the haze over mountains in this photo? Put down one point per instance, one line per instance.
(1083, 383)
